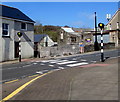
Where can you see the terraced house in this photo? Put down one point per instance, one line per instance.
(114, 26)
(12, 20)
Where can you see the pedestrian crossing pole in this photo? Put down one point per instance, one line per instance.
(19, 35)
(101, 25)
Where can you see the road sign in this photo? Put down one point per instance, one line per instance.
(19, 34)
(88, 40)
(81, 44)
(101, 25)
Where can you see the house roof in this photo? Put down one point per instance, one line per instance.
(81, 29)
(67, 29)
(14, 13)
(39, 37)
(114, 15)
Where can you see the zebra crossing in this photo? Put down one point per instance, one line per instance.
(64, 62)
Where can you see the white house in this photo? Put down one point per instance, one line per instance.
(114, 28)
(12, 21)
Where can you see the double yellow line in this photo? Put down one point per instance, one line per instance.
(22, 87)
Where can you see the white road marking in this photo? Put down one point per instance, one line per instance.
(61, 67)
(51, 65)
(56, 69)
(83, 60)
(27, 65)
(74, 59)
(42, 64)
(34, 63)
(67, 62)
(77, 64)
(48, 61)
(56, 61)
(41, 72)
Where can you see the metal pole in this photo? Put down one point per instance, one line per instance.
(95, 27)
(19, 49)
(102, 54)
(96, 43)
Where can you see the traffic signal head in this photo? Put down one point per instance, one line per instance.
(19, 34)
(101, 25)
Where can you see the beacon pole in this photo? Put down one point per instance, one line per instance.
(102, 51)
(101, 25)
(19, 35)
(19, 49)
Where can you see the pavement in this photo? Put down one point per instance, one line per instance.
(98, 81)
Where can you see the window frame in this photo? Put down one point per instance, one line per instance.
(8, 33)
(25, 26)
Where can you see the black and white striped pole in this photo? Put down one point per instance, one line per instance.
(19, 35)
(101, 25)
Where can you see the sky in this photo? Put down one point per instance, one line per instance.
(73, 14)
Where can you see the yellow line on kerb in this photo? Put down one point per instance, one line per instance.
(11, 81)
(22, 87)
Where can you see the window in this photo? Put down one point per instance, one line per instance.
(5, 29)
(23, 26)
(73, 39)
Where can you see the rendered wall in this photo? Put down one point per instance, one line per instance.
(7, 45)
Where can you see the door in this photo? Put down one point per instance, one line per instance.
(16, 49)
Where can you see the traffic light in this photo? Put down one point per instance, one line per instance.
(19, 34)
(101, 25)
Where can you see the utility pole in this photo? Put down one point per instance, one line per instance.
(101, 25)
(96, 47)
(19, 35)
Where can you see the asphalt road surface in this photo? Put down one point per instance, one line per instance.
(24, 69)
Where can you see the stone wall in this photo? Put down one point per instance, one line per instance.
(69, 50)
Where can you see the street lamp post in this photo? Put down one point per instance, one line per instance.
(96, 47)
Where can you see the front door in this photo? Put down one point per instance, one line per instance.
(16, 49)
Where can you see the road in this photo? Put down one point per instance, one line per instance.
(24, 69)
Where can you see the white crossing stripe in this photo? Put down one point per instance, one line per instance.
(42, 64)
(51, 65)
(27, 65)
(77, 64)
(34, 63)
(74, 59)
(83, 60)
(56, 61)
(60, 67)
(67, 62)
